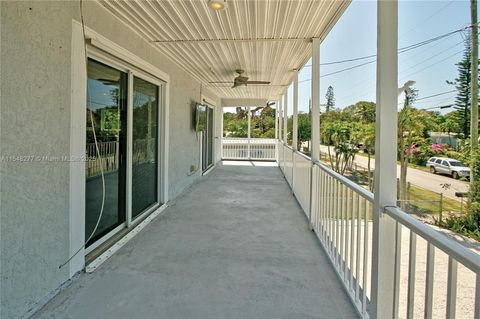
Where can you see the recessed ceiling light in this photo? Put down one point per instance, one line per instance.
(217, 4)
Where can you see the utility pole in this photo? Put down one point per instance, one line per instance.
(474, 88)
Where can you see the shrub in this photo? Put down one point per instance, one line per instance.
(469, 224)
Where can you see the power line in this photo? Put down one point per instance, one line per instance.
(435, 63)
(340, 71)
(405, 49)
(434, 95)
(438, 53)
(400, 50)
(430, 96)
(437, 101)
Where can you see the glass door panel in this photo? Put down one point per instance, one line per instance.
(207, 142)
(145, 142)
(210, 136)
(105, 150)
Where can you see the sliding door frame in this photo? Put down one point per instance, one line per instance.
(213, 108)
(132, 71)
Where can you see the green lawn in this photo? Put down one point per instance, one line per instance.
(424, 200)
(428, 202)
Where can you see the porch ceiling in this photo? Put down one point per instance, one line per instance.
(268, 39)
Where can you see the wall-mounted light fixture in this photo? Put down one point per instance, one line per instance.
(217, 4)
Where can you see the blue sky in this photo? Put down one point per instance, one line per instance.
(355, 36)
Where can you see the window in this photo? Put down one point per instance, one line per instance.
(438, 161)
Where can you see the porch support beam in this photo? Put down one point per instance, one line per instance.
(285, 117)
(280, 118)
(276, 120)
(383, 254)
(315, 99)
(295, 112)
(249, 129)
(188, 41)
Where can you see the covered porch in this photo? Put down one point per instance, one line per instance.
(235, 245)
(283, 239)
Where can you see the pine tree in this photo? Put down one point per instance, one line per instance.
(462, 84)
(330, 98)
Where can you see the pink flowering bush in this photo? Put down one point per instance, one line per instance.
(436, 148)
(412, 149)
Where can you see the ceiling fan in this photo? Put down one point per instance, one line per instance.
(243, 80)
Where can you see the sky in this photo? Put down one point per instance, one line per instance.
(354, 35)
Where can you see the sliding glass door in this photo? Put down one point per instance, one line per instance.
(122, 169)
(145, 142)
(207, 143)
(105, 150)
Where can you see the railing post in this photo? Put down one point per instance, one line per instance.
(285, 117)
(295, 112)
(315, 120)
(295, 124)
(280, 117)
(276, 120)
(383, 254)
(249, 134)
(276, 130)
(315, 113)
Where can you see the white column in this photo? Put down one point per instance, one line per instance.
(249, 134)
(295, 111)
(276, 120)
(285, 117)
(277, 114)
(383, 254)
(280, 118)
(315, 99)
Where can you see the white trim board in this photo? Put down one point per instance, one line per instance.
(77, 150)
(114, 49)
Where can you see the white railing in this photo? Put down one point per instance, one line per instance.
(302, 167)
(143, 151)
(107, 157)
(281, 151)
(450, 272)
(435, 276)
(248, 149)
(341, 219)
(288, 167)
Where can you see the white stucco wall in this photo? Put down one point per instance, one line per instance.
(35, 105)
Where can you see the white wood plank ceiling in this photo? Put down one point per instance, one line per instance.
(268, 39)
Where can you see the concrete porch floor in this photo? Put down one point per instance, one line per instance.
(235, 245)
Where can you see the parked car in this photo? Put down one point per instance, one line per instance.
(449, 166)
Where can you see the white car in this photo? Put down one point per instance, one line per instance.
(449, 166)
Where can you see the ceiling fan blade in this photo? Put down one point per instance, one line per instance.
(258, 82)
(220, 82)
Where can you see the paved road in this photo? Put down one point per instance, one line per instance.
(420, 178)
